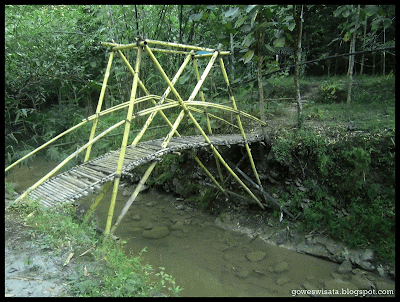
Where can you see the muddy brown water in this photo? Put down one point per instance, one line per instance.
(204, 259)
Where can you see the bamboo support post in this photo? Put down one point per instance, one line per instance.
(207, 118)
(134, 195)
(153, 114)
(276, 203)
(253, 166)
(124, 142)
(100, 103)
(96, 202)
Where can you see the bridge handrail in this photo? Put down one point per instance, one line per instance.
(48, 175)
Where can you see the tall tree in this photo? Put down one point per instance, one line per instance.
(254, 23)
(298, 17)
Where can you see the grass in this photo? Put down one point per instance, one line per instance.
(104, 270)
(372, 106)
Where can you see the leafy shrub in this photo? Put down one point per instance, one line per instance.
(282, 149)
(331, 92)
(357, 161)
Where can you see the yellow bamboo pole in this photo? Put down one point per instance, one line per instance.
(100, 103)
(173, 104)
(134, 195)
(185, 110)
(132, 72)
(168, 106)
(45, 145)
(253, 166)
(96, 202)
(196, 69)
(161, 99)
(167, 91)
(48, 175)
(166, 44)
(124, 143)
(122, 106)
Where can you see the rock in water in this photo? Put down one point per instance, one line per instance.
(281, 267)
(156, 233)
(255, 256)
(345, 267)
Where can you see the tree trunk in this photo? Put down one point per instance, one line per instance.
(373, 63)
(299, 26)
(350, 72)
(384, 54)
(365, 34)
(351, 63)
(180, 24)
(329, 68)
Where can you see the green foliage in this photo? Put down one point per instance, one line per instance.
(167, 170)
(331, 92)
(305, 141)
(282, 149)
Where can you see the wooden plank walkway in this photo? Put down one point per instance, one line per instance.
(85, 178)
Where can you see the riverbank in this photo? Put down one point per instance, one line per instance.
(233, 261)
(57, 263)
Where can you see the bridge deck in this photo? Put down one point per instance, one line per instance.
(83, 179)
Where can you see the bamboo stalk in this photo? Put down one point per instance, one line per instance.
(99, 104)
(62, 184)
(134, 195)
(81, 180)
(133, 72)
(119, 107)
(46, 194)
(86, 169)
(197, 103)
(265, 193)
(48, 175)
(253, 166)
(100, 169)
(49, 193)
(207, 118)
(73, 181)
(124, 143)
(167, 91)
(83, 174)
(177, 45)
(45, 144)
(96, 202)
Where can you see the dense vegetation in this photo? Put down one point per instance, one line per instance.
(54, 68)
(54, 64)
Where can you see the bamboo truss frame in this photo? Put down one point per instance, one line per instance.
(159, 105)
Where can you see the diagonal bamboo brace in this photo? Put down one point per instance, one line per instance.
(124, 142)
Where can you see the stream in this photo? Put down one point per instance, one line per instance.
(204, 258)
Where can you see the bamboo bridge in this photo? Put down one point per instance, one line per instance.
(85, 178)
